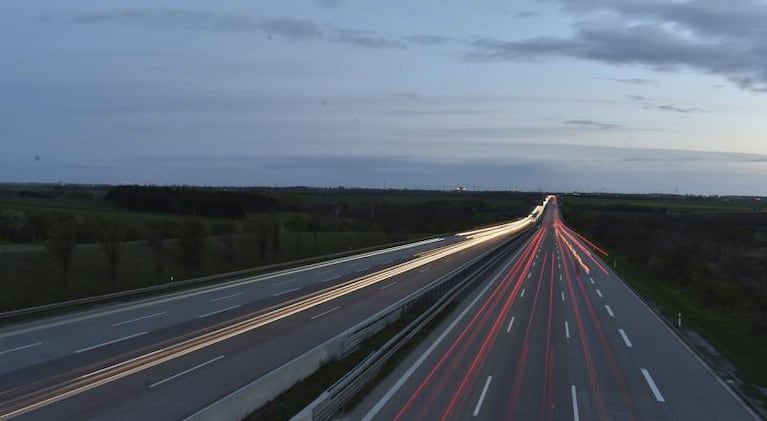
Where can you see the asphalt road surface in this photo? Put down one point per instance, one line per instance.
(555, 335)
(167, 357)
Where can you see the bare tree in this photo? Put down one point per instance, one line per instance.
(155, 241)
(62, 239)
(111, 237)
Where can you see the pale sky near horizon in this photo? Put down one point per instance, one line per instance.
(590, 95)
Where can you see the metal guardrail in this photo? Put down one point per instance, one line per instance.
(346, 388)
(233, 276)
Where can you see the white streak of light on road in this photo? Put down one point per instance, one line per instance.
(218, 311)
(287, 291)
(114, 341)
(317, 316)
(125, 322)
(226, 297)
(7, 351)
(187, 371)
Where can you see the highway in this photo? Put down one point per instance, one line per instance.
(169, 356)
(554, 335)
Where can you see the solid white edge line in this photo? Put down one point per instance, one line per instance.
(20, 348)
(482, 396)
(218, 311)
(317, 316)
(511, 323)
(574, 397)
(653, 387)
(609, 310)
(409, 372)
(114, 341)
(288, 291)
(625, 338)
(125, 322)
(189, 370)
(567, 330)
(226, 297)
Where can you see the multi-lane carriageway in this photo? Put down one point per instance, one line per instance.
(554, 335)
(168, 357)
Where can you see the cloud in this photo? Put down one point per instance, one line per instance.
(631, 81)
(427, 39)
(332, 3)
(672, 108)
(591, 124)
(407, 95)
(526, 14)
(651, 104)
(293, 29)
(288, 28)
(361, 38)
(721, 38)
(638, 98)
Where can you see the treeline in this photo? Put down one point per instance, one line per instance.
(216, 203)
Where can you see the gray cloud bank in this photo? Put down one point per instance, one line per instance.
(528, 166)
(709, 36)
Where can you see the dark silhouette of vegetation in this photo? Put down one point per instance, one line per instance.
(111, 237)
(62, 239)
(220, 203)
(155, 241)
(194, 231)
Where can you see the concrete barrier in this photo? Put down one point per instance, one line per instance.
(243, 401)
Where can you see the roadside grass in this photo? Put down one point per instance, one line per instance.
(730, 332)
(30, 277)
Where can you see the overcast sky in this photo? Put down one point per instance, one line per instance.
(590, 95)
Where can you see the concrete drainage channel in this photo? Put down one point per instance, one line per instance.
(442, 291)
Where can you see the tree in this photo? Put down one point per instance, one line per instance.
(13, 225)
(258, 228)
(62, 239)
(155, 241)
(232, 228)
(111, 236)
(194, 231)
(275, 227)
(297, 223)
